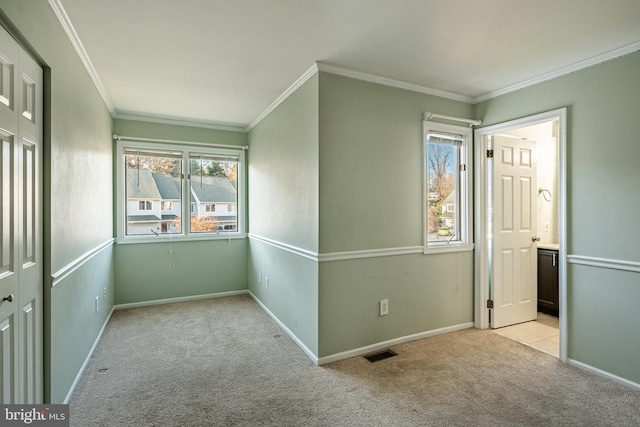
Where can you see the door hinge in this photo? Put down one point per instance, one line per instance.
(489, 154)
(489, 303)
(463, 168)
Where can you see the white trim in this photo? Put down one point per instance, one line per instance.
(480, 270)
(179, 299)
(369, 253)
(179, 122)
(428, 116)
(66, 24)
(279, 100)
(86, 360)
(615, 264)
(282, 326)
(396, 341)
(65, 271)
(604, 374)
(313, 256)
(185, 148)
(358, 75)
(598, 59)
(169, 238)
(117, 137)
(464, 187)
(338, 256)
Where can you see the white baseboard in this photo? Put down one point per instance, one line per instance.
(604, 374)
(358, 351)
(395, 341)
(282, 326)
(86, 360)
(179, 299)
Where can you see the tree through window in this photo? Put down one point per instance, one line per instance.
(446, 185)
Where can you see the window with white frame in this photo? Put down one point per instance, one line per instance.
(145, 205)
(169, 190)
(446, 187)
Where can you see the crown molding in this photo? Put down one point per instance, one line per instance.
(178, 122)
(372, 78)
(62, 16)
(598, 59)
(301, 80)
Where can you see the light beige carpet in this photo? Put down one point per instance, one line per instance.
(224, 362)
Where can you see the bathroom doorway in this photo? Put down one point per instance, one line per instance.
(520, 214)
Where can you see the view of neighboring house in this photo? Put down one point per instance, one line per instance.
(143, 202)
(214, 196)
(154, 202)
(169, 188)
(448, 217)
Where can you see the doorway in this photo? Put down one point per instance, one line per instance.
(520, 211)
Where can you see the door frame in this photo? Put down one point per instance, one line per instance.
(481, 271)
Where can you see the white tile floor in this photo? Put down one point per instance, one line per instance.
(541, 334)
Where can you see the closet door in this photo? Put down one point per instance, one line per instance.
(20, 224)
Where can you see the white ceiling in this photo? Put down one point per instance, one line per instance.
(225, 61)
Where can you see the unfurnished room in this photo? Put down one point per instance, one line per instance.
(319, 212)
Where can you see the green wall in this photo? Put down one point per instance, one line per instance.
(292, 295)
(371, 198)
(77, 196)
(283, 171)
(283, 189)
(156, 271)
(425, 293)
(603, 105)
(336, 168)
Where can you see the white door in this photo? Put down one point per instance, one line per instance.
(20, 224)
(514, 254)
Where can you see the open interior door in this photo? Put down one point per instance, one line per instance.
(514, 254)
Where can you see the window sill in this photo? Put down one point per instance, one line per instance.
(129, 240)
(440, 249)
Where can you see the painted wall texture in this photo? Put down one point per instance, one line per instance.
(352, 150)
(602, 154)
(77, 192)
(283, 190)
(371, 196)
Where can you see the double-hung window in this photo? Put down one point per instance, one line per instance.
(446, 189)
(171, 191)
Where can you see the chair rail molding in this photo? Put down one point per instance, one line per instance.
(65, 271)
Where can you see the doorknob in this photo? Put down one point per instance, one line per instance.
(535, 239)
(8, 298)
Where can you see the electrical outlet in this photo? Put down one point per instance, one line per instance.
(546, 226)
(384, 307)
(266, 282)
(104, 292)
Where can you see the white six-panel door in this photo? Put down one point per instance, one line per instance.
(514, 253)
(20, 224)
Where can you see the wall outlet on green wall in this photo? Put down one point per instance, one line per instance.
(384, 307)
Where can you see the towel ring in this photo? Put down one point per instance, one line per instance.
(545, 193)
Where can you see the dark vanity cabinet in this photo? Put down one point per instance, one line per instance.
(548, 281)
